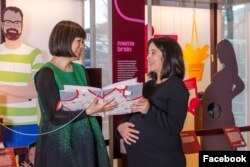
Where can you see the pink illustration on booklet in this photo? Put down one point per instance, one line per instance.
(79, 97)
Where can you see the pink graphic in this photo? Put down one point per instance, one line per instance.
(128, 46)
(125, 17)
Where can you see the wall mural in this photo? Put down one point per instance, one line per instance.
(217, 98)
(18, 64)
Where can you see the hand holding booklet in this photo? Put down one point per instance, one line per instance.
(80, 97)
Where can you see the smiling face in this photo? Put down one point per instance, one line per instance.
(12, 25)
(155, 59)
(77, 47)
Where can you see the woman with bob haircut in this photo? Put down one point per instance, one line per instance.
(67, 138)
(152, 133)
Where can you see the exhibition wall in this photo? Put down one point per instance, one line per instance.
(179, 21)
(41, 15)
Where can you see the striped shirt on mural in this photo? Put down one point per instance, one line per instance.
(16, 69)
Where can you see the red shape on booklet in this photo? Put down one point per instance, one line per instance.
(79, 97)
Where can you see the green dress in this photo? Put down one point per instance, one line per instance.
(78, 142)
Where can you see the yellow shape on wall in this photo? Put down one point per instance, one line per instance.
(194, 58)
(194, 55)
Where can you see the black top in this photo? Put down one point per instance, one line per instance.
(47, 87)
(159, 142)
(67, 138)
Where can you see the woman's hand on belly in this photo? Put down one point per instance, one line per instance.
(128, 133)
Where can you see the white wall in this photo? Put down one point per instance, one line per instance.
(179, 21)
(40, 16)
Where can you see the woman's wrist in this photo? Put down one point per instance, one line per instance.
(87, 111)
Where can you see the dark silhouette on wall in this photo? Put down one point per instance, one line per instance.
(217, 98)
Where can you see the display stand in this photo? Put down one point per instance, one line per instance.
(190, 143)
(199, 131)
(206, 132)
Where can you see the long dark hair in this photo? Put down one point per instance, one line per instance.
(173, 63)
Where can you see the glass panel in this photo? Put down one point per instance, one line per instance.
(101, 57)
(102, 41)
(235, 22)
(87, 62)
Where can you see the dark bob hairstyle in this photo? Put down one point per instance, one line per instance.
(173, 63)
(62, 37)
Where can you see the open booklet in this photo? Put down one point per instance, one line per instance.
(80, 97)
